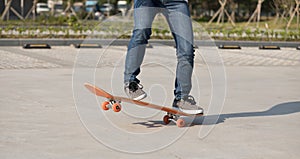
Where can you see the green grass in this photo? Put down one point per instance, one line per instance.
(64, 27)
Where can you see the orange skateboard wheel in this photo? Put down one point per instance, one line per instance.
(180, 123)
(116, 107)
(166, 119)
(104, 105)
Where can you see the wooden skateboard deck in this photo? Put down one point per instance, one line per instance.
(113, 102)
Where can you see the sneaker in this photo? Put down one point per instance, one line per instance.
(187, 105)
(135, 91)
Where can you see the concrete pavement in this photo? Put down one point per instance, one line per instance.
(45, 113)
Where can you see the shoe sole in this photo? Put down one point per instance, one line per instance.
(140, 97)
(193, 112)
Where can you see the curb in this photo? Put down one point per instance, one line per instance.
(124, 42)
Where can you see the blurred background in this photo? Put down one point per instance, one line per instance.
(260, 20)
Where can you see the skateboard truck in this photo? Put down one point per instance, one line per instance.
(112, 104)
(175, 118)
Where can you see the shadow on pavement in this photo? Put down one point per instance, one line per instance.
(151, 123)
(280, 109)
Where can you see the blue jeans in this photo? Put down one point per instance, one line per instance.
(178, 18)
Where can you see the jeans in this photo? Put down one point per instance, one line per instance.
(178, 18)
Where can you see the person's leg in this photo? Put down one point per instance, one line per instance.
(178, 17)
(144, 13)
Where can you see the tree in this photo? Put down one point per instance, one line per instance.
(221, 13)
(256, 15)
(283, 9)
(233, 8)
(296, 11)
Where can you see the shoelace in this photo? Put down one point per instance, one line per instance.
(190, 99)
(134, 86)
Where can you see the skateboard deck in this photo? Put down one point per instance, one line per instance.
(113, 102)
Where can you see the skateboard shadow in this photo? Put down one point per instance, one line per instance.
(277, 110)
(151, 123)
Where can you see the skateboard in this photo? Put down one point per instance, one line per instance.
(114, 103)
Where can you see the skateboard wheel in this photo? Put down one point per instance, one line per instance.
(116, 107)
(166, 119)
(180, 123)
(104, 105)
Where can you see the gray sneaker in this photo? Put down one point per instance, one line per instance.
(134, 91)
(187, 105)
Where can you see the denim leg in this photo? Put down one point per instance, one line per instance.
(178, 17)
(144, 14)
